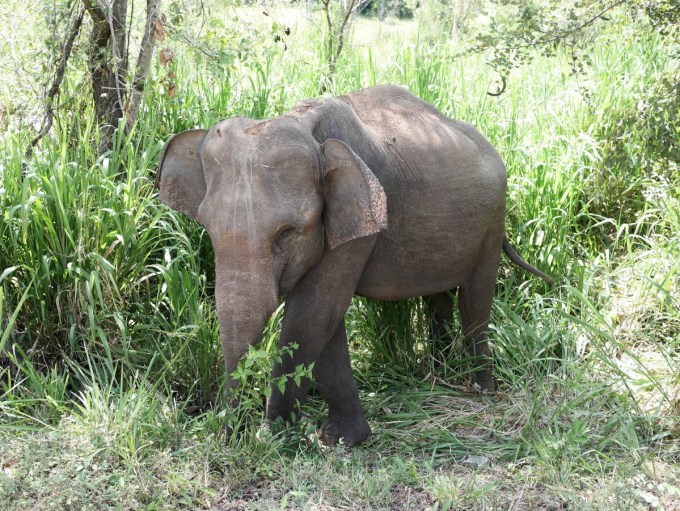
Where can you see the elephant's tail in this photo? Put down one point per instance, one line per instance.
(517, 259)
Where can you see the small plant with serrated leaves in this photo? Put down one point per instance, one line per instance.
(255, 385)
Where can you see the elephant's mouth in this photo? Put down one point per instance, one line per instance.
(289, 278)
(300, 258)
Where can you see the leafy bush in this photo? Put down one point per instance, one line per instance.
(639, 147)
(384, 8)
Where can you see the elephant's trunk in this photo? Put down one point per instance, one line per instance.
(246, 295)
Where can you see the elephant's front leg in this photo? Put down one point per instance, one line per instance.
(334, 378)
(314, 320)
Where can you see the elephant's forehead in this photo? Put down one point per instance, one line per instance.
(243, 146)
(266, 168)
(280, 146)
(280, 173)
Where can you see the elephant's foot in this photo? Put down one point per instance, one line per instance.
(351, 431)
(484, 380)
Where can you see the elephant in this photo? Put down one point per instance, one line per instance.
(375, 193)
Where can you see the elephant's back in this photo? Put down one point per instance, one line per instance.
(416, 147)
(389, 111)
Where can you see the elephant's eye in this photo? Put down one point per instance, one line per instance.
(284, 235)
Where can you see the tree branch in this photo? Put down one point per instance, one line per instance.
(153, 11)
(73, 31)
(329, 22)
(341, 35)
(552, 38)
(95, 11)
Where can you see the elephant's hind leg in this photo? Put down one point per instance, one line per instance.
(441, 306)
(474, 303)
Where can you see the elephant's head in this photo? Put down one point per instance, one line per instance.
(273, 199)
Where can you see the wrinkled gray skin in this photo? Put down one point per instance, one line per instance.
(375, 193)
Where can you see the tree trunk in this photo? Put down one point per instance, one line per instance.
(108, 62)
(115, 95)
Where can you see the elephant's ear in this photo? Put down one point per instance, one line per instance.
(356, 205)
(180, 172)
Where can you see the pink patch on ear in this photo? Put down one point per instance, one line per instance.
(378, 199)
(365, 227)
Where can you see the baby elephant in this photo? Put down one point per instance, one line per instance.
(375, 193)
